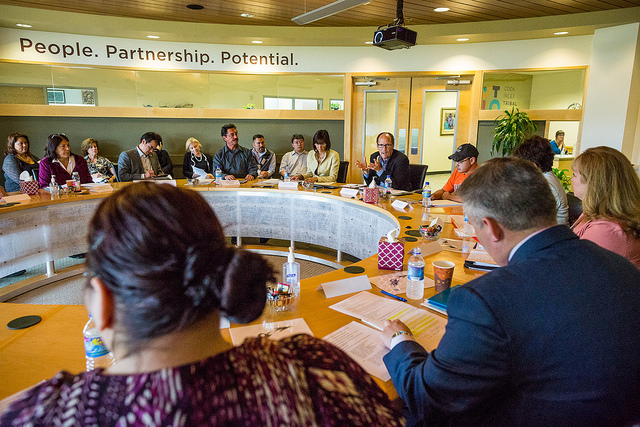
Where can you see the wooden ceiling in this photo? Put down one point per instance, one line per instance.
(373, 14)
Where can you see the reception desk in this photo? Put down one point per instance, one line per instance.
(31, 355)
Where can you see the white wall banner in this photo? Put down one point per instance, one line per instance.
(57, 48)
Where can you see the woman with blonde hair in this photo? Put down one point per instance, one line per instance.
(609, 187)
(100, 168)
(196, 164)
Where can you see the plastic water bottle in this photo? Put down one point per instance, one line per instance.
(76, 181)
(468, 229)
(387, 184)
(218, 176)
(96, 353)
(415, 278)
(286, 176)
(426, 195)
(54, 188)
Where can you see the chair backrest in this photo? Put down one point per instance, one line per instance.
(417, 175)
(115, 169)
(575, 208)
(342, 172)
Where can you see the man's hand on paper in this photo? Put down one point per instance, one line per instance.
(390, 328)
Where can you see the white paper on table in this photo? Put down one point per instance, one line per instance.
(457, 221)
(271, 181)
(399, 204)
(429, 248)
(395, 192)
(98, 187)
(353, 186)
(396, 283)
(291, 185)
(452, 245)
(17, 198)
(272, 330)
(198, 173)
(349, 192)
(364, 345)
(444, 203)
(481, 257)
(427, 217)
(230, 183)
(427, 328)
(346, 286)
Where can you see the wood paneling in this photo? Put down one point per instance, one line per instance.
(280, 12)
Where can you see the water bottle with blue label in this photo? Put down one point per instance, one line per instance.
(218, 176)
(96, 353)
(426, 195)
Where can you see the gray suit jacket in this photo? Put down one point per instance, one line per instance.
(130, 165)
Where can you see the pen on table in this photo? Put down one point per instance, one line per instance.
(393, 296)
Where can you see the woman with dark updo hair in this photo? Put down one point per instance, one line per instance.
(160, 275)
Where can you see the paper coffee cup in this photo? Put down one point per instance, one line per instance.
(442, 274)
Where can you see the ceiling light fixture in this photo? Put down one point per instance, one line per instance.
(561, 33)
(24, 25)
(257, 41)
(153, 37)
(462, 39)
(195, 6)
(441, 9)
(246, 15)
(369, 84)
(328, 10)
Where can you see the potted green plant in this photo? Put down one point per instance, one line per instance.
(511, 129)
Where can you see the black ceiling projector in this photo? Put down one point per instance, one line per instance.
(394, 37)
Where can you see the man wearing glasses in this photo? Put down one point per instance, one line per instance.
(386, 162)
(466, 158)
(141, 162)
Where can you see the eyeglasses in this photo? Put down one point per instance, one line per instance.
(463, 160)
(385, 145)
(61, 135)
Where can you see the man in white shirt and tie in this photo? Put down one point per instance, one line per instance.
(140, 162)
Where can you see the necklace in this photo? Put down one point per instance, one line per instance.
(199, 159)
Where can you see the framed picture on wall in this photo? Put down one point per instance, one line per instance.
(447, 121)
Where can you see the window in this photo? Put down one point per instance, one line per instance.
(279, 103)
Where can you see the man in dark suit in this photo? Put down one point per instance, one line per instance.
(141, 162)
(550, 338)
(386, 162)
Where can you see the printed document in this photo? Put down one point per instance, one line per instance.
(373, 310)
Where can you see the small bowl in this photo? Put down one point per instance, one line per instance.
(280, 302)
(307, 185)
(430, 233)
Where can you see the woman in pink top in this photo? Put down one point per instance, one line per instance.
(609, 187)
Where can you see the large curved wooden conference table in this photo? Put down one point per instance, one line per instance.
(30, 355)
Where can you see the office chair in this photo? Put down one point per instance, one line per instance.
(575, 207)
(342, 172)
(417, 176)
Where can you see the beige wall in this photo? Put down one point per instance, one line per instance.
(436, 147)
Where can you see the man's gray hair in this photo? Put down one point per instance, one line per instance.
(510, 190)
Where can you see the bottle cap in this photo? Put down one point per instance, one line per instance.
(417, 251)
(290, 258)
